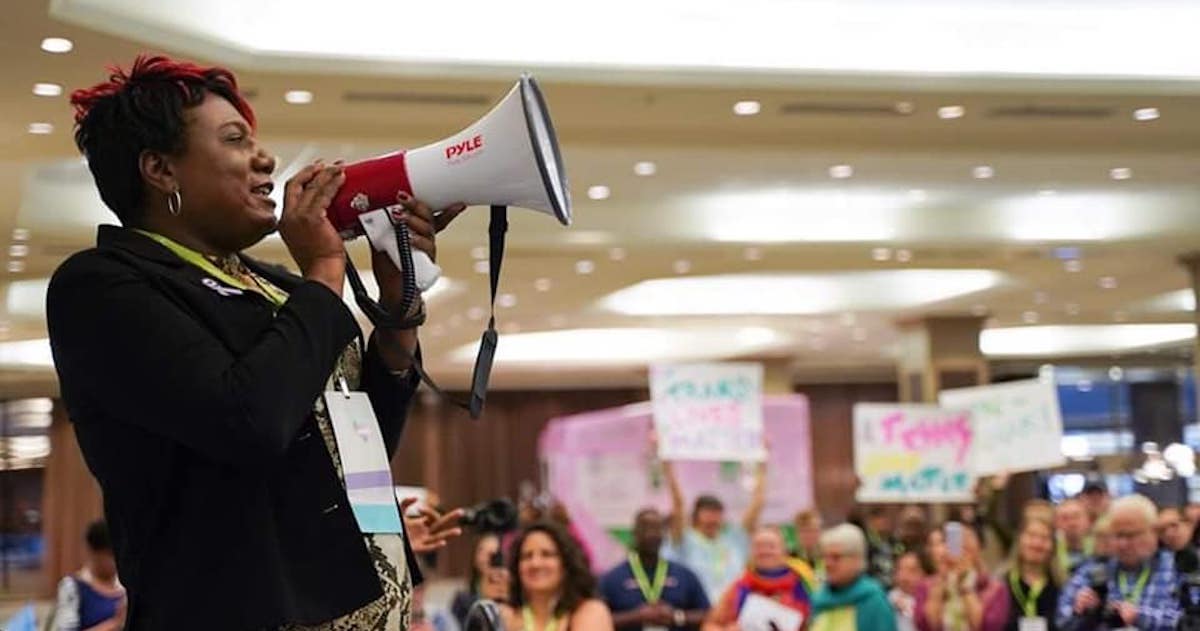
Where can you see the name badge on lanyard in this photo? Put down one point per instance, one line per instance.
(1032, 624)
(365, 465)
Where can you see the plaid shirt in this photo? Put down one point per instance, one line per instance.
(1158, 608)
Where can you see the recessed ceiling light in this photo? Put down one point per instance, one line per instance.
(584, 267)
(645, 168)
(983, 172)
(979, 310)
(479, 253)
(598, 192)
(298, 97)
(904, 256)
(506, 301)
(18, 250)
(747, 108)
(881, 254)
(57, 45)
(475, 313)
(1108, 282)
(617, 254)
(41, 129)
(752, 254)
(20, 234)
(482, 267)
(47, 89)
(682, 266)
(1121, 173)
(16, 266)
(917, 195)
(542, 284)
(905, 107)
(1116, 373)
(1073, 265)
(841, 171)
(1029, 317)
(1144, 114)
(948, 112)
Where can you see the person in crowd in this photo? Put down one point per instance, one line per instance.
(1028, 590)
(849, 599)
(913, 531)
(1096, 499)
(1074, 538)
(1192, 513)
(906, 580)
(194, 375)
(952, 599)
(1038, 509)
(552, 587)
(647, 591)
(715, 550)
(808, 540)
(1141, 580)
(1102, 537)
(486, 547)
(92, 599)
(1174, 532)
(882, 546)
(772, 575)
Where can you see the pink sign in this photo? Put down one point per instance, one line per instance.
(601, 466)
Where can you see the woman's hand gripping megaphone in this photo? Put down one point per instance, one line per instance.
(422, 224)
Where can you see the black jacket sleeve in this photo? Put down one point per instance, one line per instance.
(123, 346)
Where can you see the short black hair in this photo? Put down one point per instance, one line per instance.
(142, 110)
(707, 502)
(97, 537)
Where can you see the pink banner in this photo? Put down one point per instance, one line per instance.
(601, 466)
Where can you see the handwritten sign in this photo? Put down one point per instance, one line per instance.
(912, 453)
(1018, 425)
(708, 411)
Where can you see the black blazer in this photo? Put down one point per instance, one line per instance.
(193, 409)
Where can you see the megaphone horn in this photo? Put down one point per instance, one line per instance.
(509, 157)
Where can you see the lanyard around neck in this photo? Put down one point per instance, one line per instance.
(1134, 596)
(652, 592)
(1028, 603)
(195, 258)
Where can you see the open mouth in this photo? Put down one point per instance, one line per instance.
(263, 190)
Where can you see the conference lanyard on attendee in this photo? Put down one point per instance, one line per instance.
(718, 551)
(1064, 555)
(195, 258)
(1028, 603)
(527, 619)
(652, 592)
(1133, 597)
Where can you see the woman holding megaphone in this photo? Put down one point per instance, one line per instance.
(212, 395)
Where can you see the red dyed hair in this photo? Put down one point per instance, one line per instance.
(185, 76)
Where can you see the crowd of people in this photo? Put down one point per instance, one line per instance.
(1089, 562)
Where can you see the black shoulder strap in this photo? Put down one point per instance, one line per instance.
(497, 229)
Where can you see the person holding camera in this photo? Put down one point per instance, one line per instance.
(205, 387)
(1136, 588)
(648, 591)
